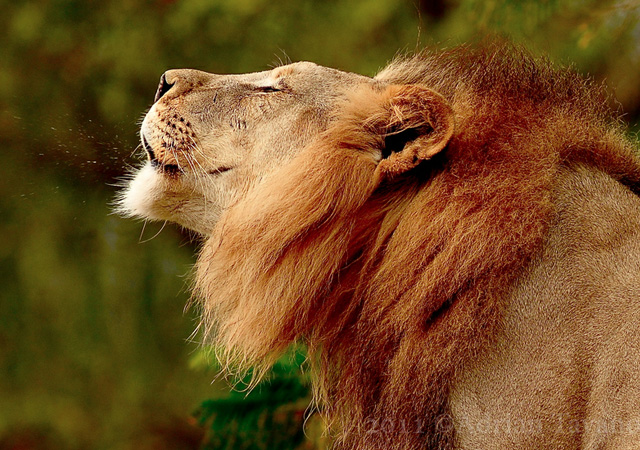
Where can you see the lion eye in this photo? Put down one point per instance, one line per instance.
(268, 89)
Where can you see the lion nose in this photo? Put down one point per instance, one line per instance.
(178, 82)
(163, 87)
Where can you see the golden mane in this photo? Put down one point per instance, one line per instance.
(394, 280)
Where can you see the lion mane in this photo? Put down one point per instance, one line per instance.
(392, 272)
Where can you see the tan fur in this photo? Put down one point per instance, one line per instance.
(399, 269)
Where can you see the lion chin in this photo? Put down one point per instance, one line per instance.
(456, 241)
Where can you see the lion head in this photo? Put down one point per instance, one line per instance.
(378, 220)
(210, 138)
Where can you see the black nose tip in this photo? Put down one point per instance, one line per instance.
(163, 88)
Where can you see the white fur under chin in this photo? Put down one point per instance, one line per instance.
(143, 194)
(152, 196)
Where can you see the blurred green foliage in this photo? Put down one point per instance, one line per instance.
(268, 416)
(93, 350)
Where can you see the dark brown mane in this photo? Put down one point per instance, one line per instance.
(394, 283)
(505, 89)
(500, 71)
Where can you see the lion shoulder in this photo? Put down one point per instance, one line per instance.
(568, 325)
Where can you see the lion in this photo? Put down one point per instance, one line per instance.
(455, 240)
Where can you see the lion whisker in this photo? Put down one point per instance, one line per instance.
(155, 235)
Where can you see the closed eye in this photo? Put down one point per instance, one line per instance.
(267, 89)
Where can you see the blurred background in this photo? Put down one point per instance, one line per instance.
(94, 339)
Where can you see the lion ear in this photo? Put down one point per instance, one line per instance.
(415, 124)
